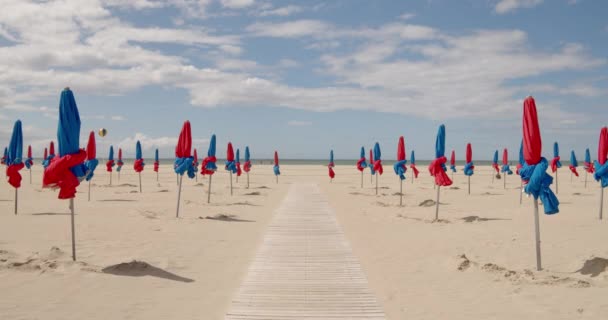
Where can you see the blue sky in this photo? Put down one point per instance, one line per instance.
(303, 77)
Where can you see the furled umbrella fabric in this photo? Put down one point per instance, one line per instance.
(573, 163)
(139, 164)
(247, 164)
(208, 166)
(45, 154)
(453, 161)
(195, 160)
(119, 162)
(91, 162)
(469, 167)
(237, 163)
(400, 166)
(68, 169)
(555, 162)
(230, 163)
(331, 165)
(495, 162)
(601, 164)
(437, 168)
(14, 158)
(520, 161)
(50, 156)
(378, 159)
(110, 162)
(156, 161)
(534, 175)
(413, 164)
(361, 164)
(588, 165)
(29, 161)
(371, 162)
(276, 168)
(183, 152)
(505, 162)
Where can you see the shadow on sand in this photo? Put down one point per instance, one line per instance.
(140, 269)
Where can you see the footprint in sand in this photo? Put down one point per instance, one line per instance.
(594, 267)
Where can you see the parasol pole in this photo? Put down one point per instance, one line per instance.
(376, 184)
(437, 205)
(209, 189)
(601, 201)
(89, 190)
(118, 176)
(469, 184)
(493, 176)
(247, 180)
(16, 199)
(230, 182)
(73, 230)
(585, 179)
(277, 178)
(571, 175)
(400, 192)
(504, 180)
(537, 233)
(556, 184)
(179, 195)
(139, 182)
(196, 176)
(110, 178)
(30, 175)
(412, 176)
(361, 179)
(521, 189)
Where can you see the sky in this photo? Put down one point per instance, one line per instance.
(304, 77)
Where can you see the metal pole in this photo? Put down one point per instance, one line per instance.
(504, 178)
(437, 205)
(247, 180)
(585, 179)
(179, 195)
(376, 184)
(277, 178)
(156, 176)
(361, 179)
(110, 177)
(16, 200)
(521, 191)
(601, 201)
(209, 189)
(412, 176)
(230, 182)
(139, 182)
(30, 175)
(537, 232)
(400, 192)
(118, 176)
(556, 184)
(73, 230)
(469, 184)
(89, 190)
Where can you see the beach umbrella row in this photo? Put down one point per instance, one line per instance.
(183, 159)
(556, 164)
(437, 167)
(361, 164)
(208, 166)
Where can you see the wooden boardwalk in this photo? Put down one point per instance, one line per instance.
(305, 268)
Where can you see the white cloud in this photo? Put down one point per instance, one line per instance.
(118, 118)
(505, 6)
(407, 16)
(237, 4)
(298, 123)
(282, 11)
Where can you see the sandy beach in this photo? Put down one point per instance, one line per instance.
(476, 263)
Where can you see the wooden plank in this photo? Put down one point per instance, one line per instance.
(304, 268)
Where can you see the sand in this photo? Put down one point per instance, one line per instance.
(137, 261)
